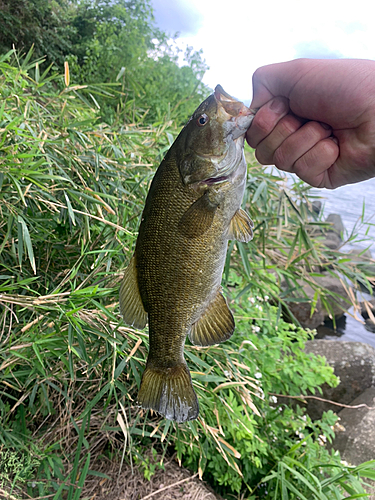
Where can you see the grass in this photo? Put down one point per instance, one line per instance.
(72, 191)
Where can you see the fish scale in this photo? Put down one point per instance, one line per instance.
(174, 277)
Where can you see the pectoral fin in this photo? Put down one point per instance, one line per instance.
(241, 227)
(215, 326)
(198, 218)
(131, 306)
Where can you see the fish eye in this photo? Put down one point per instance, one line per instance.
(202, 120)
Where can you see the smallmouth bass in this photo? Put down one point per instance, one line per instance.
(173, 279)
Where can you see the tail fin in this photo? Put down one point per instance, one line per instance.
(169, 391)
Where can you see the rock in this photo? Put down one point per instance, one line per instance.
(363, 259)
(370, 325)
(332, 240)
(333, 235)
(354, 433)
(337, 226)
(355, 436)
(361, 255)
(338, 305)
(301, 310)
(316, 206)
(353, 363)
(367, 308)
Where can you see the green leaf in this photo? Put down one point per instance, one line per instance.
(25, 238)
(70, 209)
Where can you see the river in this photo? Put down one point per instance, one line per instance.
(351, 202)
(354, 202)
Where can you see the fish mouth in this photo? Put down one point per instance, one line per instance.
(238, 116)
(231, 105)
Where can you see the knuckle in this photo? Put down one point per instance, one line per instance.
(330, 150)
(302, 64)
(304, 162)
(315, 131)
(261, 124)
(320, 157)
(262, 157)
(281, 160)
(289, 124)
(258, 74)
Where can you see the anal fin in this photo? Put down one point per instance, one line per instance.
(131, 306)
(215, 325)
(241, 227)
(169, 391)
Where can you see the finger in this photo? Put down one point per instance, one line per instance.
(298, 144)
(261, 94)
(265, 150)
(278, 80)
(266, 119)
(314, 166)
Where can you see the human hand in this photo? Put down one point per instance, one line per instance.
(316, 118)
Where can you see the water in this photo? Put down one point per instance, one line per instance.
(351, 202)
(349, 329)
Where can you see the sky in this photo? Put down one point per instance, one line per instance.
(238, 36)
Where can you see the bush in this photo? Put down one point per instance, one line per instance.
(113, 43)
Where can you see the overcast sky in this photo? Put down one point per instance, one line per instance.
(237, 36)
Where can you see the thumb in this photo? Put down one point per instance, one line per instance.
(276, 80)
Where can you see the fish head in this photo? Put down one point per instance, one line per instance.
(210, 147)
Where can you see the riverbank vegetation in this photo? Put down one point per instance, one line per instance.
(79, 147)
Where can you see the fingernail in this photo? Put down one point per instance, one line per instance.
(334, 139)
(324, 125)
(278, 105)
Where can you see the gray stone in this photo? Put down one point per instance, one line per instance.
(365, 310)
(364, 261)
(355, 436)
(302, 310)
(368, 313)
(370, 325)
(354, 433)
(337, 226)
(353, 363)
(332, 240)
(361, 254)
(338, 304)
(316, 206)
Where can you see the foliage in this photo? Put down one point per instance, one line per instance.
(290, 245)
(109, 42)
(72, 192)
(44, 24)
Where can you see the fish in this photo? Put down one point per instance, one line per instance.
(173, 280)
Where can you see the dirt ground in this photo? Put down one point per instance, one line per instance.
(173, 483)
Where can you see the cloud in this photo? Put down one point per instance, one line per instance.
(315, 49)
(352, 27)
(177, 16)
